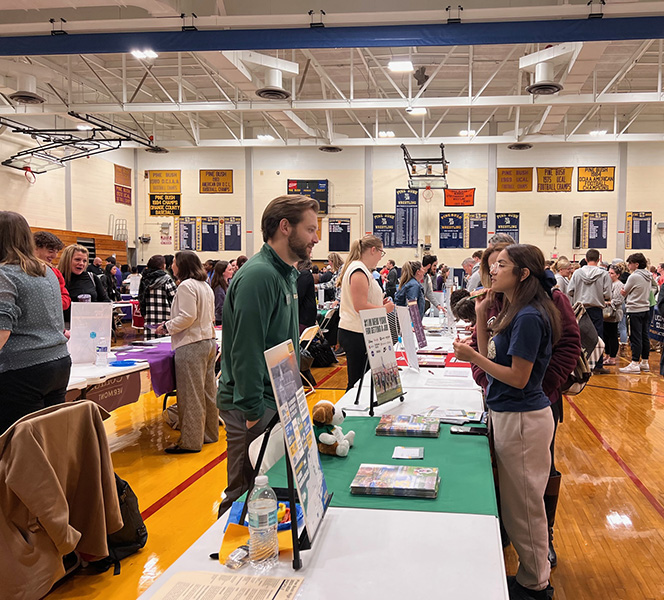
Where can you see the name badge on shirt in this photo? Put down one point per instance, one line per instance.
(288, 299)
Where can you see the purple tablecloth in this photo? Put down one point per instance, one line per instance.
(162, 365)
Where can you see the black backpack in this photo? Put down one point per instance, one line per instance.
(133, 535)
(320, 350)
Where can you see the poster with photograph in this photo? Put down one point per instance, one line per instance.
(282, 363)
(416, 320)
(382, 359)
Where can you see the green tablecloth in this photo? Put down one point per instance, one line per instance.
(466, 478)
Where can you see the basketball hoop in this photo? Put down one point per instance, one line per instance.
(427, 194)
(29, 175)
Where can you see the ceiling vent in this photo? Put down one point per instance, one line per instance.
(157, 150)
(520, 146)
(544, 85)
(26, 92)
(273, 89)
(330, 149)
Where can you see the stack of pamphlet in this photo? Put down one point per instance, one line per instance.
(408, 425)
(396, 480)
(454, 416)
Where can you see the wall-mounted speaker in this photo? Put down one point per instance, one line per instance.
(555, 220)
(576, 232)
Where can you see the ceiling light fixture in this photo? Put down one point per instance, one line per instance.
(467, 132)
(386, 134)
(265, 137)
(598, 132)
(83, 127)
(142, 54)
(417, 111)
(400, 66)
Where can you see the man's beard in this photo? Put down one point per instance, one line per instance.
(298, 248)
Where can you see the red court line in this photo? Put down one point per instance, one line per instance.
(623, 465)
(329, 375)
(165, 499)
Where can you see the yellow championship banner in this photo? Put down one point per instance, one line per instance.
(518, 179)
(215, 181)
(596, 179)
(165, 182)
(122, 176)
(554, 179)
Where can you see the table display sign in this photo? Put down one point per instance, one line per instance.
(408, 337)
(382, 359)
(232, 233)
(186, 233)
(474, 230)
(638, 230)
(122, 176)
(451, 230)
(656, 327)
(594, 227)
(339, 231)
(122, 195)
(554, 179)
(165, 205)
(165, 182)
(416, 320)
(516, 179)
(116, 391)
(596, 179)
(460, 197)
(383, 228)
(318, 189)
(90, 321)
(215, 181)
(406, 219)
(301, 445)
(209, 233)
(508, 223)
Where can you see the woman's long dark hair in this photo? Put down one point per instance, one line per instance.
(530, 291)
(189, 266)
(218, 278)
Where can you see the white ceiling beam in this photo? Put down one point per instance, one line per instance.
(628, 66)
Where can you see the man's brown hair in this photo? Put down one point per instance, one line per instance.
(285, 207)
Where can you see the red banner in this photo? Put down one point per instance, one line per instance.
(460, 197)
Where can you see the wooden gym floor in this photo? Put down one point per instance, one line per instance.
(610, 523)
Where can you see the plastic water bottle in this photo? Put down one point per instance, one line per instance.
(262, 515)
(101, 352)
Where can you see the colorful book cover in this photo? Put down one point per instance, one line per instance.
(396, 480)
(408, 425)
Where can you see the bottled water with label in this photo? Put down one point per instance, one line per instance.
(101, 351)
(262, 515)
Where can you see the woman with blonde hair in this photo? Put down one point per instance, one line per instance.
(410, 286)
(562, 269)
(359, 291)
(34, 360)
(79, 282)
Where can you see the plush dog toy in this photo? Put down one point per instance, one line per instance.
(330, 437)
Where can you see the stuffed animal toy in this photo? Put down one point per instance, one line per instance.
(330, 437)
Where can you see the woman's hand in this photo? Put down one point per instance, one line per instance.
(388, 304)
(483, 302)
(463, 351)
(161, 330)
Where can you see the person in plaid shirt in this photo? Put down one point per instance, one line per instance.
(155, 295)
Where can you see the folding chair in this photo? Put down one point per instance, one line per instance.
(307, 336)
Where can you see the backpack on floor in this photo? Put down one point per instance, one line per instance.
(581, 374)
(133, 535)
(322, 354)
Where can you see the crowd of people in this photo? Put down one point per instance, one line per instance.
(525, 338)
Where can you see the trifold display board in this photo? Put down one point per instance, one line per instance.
(208, 234)
(382, 359)
(301, 445)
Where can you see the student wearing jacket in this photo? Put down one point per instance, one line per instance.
(260, 311)
(637, 304)
(430, 265)
(564, 356)
(392, 279)
(410, 287)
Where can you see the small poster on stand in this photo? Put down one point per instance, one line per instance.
(382, 359)
(416, 319)
(299, 436)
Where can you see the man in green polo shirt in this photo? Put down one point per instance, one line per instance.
(260, 311)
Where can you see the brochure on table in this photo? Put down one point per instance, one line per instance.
(408, 337)
(90, 321)
(298, 433)
(382, 359)
(416, 320)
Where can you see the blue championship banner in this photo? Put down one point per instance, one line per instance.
(451, 230)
